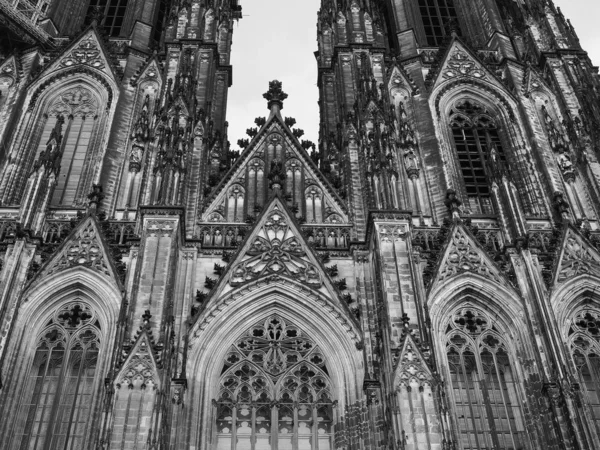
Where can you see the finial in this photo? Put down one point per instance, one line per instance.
(275, 96)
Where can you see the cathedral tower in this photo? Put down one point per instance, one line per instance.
(424, 277)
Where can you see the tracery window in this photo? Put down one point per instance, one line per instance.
(483, 383)
(275, 392)
(478, 145)
(55, 407)
(584, 339)
(436, 16)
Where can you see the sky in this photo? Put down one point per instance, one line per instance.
(276, 40)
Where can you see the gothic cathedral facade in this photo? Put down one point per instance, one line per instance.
(424, 277)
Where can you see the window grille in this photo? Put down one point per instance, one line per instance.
(584, 337)
(113, 12)
(437, 15)
(483, 384)
(476, 139)
(275, 392)
(55, 407)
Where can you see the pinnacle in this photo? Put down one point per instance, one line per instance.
(275, 96)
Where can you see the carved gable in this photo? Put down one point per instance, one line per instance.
(534, 82)
(411, 366)
(85, 247)
(462, 63)
(464, 255)
(140, 367)
(277, 249)
(577, 257)
(151, 72)
(9, 72)
(88, 51)
(274, 160)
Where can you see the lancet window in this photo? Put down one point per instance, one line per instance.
(275, 392)
(437, 15)
(584, 340)
(55, 406)
(72, 117)
(479, 149)
(483, 383)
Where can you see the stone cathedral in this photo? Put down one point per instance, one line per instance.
(426, 276)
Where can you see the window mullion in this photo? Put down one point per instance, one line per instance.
(315, 430)
(56, 400)
(295, 427)
(74, 409)
(596, 384)
(466, 378)
(253, 432)
(37, 403)
(486, 404)
(274, 426)
(507, 408)
(234, 427)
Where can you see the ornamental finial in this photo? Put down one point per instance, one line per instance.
(275, 95)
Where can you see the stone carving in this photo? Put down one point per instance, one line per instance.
(140, 366)
(411, 366)
(276, 250)
(460, 64)
(84, 249)
(464, 256)
(578, 258)
(86, 52)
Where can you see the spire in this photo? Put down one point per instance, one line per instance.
(275, 97)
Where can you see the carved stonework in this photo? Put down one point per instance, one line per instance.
(411, 367)
(460, 64)
(86, 52)
(275, 249)
(84, 249)
(578, 258)
(140, 367)
(463, 255)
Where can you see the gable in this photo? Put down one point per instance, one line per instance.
(275, 160)
(411, 366)
(84, 247)
(87, 51)
(150, 72)
(140, 367)
(577, 257)
(464, 254)
(461, 63)
(276, 248)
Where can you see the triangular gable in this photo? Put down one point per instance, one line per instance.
(150, 71)
(9, 68)
(464, 254)
(84, 247)
(461, 63)
(577, 257)
(399, 79)
(276, 247)
(140, 365)
(87, 50)
(411, 366)
(534, 82)
(294, 152)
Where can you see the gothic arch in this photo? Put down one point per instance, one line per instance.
(88, 302)
(480, 334)
(569, 296)
(336, 338)
(511, 133)
(90, 121)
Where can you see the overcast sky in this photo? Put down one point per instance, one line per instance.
(276, 39)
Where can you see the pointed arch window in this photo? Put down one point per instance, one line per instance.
(55, 407)
(437, 16)
(584, 340)
(478, 145)
(275, 392)
(483, 384)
